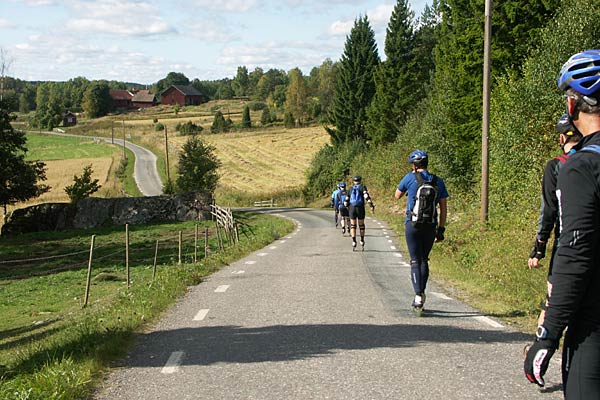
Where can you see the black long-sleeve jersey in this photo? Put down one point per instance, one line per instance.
(575, 299)
(548, 217)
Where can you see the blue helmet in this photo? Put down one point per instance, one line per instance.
(342, 185)
(417, 157)
(581, 72)
(357, 179)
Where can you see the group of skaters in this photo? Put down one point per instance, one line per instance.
(426, 194)
(570, 208)
(349, 209)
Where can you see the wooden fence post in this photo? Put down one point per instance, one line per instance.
(127, 255)
(89, 272)
(180, 239)
(206, 243)
(196, 244)
(155, 260)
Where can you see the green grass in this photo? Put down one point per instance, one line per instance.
(129, 184)
(47, 147)
(51, 347)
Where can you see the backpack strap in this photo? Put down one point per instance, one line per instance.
(562, 158)
(594, 148)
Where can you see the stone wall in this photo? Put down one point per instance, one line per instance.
(94, 212)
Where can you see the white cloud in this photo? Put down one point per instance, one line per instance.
(4, 23)
(227, 5)
(340, 28)
(115, 27)
(113, 17)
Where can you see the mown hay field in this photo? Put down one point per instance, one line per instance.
(264, 161)
(66, 157)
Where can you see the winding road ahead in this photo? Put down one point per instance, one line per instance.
(308, 318)
(145, 172)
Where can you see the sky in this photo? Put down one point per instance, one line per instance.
(142, 41)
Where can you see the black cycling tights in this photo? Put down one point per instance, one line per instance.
(581, 364)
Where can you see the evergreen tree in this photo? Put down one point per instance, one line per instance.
(220, 124)
(83, 186)
(246, 121)
(425, 40)
(355, 85)
(19, 179)
(265, 118)
(197, 168)
(396, 86)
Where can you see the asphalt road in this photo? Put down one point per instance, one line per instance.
(144, 170)
(308, 318)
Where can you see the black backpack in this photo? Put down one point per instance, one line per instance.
(424, 211)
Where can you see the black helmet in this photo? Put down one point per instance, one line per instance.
(564, 126)
(357, 178)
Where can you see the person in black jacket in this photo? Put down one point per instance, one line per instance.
(548, 217)
(575, 299)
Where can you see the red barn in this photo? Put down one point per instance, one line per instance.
(182, 95)
(121, 99)
(69, 119)
(143, 99)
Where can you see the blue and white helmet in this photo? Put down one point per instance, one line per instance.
(342, 185)
(581, 72)
(417, 157)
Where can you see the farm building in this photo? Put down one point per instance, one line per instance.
(69, 119)
(182, 95)
(143, 99)
(121, 99)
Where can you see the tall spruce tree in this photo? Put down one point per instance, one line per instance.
(355, 84)
(396, 86)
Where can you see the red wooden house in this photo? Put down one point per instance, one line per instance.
(143, 99)
(69, 119)
(182, 95)
(121, 99)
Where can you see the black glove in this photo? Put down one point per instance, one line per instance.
(539, 250)
(373, 208)
(537, 358)
(439, 233)
(331, 205)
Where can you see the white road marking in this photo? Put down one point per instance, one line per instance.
(441, 296)
(488, 321)
(238, 272)
(397, 254)
(282, 241)
(262, 254)
(272, 247)
(393, 247)
(250, 262)
(390, 241)
(201, 315)
(173, 362)
(222, 289)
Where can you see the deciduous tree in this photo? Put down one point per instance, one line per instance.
(197, 168)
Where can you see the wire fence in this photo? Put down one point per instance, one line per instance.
(184, 247)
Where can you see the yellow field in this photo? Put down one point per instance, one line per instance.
(59, 174)
(264, 161)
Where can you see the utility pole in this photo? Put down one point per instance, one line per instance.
(485, 128)
(124, 153)
(167, 155)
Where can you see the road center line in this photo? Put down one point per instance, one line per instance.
(250, 262)
(441, 296)
(222, 289)
(489, 321)
(201, 315)
(262, 254)
(173, 362)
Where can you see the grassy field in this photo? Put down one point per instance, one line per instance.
(259, 163)
(66, 157)
(51, 347)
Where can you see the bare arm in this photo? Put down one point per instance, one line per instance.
(398, 194)
(443, 212)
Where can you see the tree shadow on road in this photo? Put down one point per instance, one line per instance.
(234, 344)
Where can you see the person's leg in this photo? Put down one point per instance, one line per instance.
(414, 250)
(581, 364)
(426, 239)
